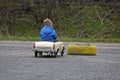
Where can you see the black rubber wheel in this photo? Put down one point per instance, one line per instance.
(62, 53)
(55, 54)
(36, 54)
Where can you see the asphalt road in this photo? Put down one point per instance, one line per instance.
(17, 62)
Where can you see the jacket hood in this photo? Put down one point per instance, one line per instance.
(48, 34)
(47, 30)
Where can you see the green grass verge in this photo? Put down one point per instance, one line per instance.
(19, 38)
(104, 40)
(65, 39)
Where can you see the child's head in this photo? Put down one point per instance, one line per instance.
(47, 21)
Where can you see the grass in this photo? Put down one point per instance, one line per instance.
(107, 40)
(12, 38)
(64, 39)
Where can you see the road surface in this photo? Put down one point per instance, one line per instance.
(17, 62)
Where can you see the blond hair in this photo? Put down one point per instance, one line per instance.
(47, 21)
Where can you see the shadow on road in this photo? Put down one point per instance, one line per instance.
(49, 56)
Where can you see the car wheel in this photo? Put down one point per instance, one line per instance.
(55, 54)
(62, 53)
(36, 54)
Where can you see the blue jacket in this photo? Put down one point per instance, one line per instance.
(48, 34)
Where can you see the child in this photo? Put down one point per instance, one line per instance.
(47, 33)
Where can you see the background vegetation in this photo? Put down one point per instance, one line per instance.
(71, 18)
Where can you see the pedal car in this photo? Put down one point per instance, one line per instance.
(49, 48)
